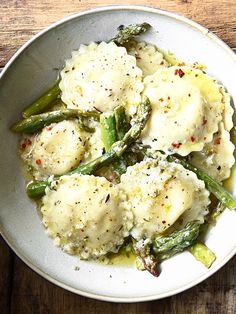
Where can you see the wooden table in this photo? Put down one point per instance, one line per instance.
(22, 290)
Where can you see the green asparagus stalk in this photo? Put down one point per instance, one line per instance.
(214, 187)
(217, 211)
(83, 125)
(147, 260)
(109, 137)
(127, 33)
(108, 129)
(37, 122)
(122, 126)
(36, 189)
(167, 246)
(203, 254)
(43, 102)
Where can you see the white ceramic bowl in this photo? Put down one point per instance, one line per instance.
(30, 71)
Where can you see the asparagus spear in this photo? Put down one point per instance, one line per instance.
(214, 187)
(167, 246)
(83, 125)
(122, 126)
(37, 122)
(217, 211)
(143, 251)
(125, 34)
(43, 102)
(109, 137)
(36, 189)
(203, 254)
(108, 129)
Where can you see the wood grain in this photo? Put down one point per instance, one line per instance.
(22, 290)
(6, 271)
(21, 19)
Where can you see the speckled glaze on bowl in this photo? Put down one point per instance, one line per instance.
(30, 71)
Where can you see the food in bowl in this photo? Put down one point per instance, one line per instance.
(129, 149)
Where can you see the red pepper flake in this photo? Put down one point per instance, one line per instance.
(204, 121)
(189, 95)
(217, 141)
(38, 162)
(49, 128)
(193, 139)
(175, 122)
(137, 57)
(164, 222)
(165, 111)
(168, 97)
(179, 72)
(26, 142)
(176, 145)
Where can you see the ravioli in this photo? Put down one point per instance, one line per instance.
(83, 215)
(101, 76)
(57, 149)
(187, 106)
(217, 157)
(159, 193)
(148, 58)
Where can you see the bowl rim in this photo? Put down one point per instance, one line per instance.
(17, 251)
